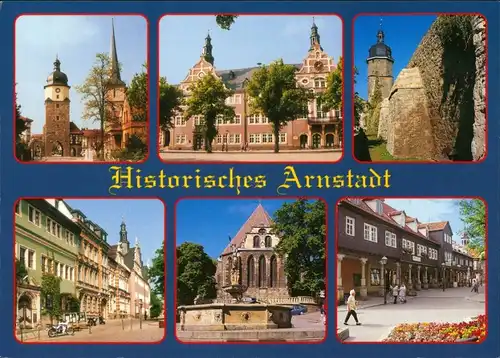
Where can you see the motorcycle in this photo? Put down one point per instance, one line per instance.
(58, 330)
(101, 320)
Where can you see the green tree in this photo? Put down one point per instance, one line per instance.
(170, 103)
(302, 228)
(274, 93)
(195, 274)
(21, 147)
(473, 215)
(225, 21)
(137, 95)
(208, 100)
(21, 271)
(157, 271)
(361, 146)
(373, 107)
(135, 150)
(98, 106)
(156, 306)
(332, 97)
(51, 295)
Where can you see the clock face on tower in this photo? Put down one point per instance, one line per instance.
(58, 90)
(318, 66)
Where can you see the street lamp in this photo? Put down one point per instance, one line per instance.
(383, 261)
(140, 314)
(443, 278)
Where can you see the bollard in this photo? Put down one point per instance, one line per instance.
(123, 325)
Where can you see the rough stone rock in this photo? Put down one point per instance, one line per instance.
(478, 146)
(408, 107)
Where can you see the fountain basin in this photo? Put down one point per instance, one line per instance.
(237, 316)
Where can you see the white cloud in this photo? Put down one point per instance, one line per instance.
(431, 210)
(50, 33)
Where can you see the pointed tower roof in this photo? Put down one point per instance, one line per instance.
(207, 50)
(116, 77)
(259, 217)
(315, 38)
(380, 49)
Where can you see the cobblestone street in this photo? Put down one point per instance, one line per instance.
(260, 156)
(452, 305)
(112, 331)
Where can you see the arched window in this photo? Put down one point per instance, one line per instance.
(262, 271)
(274, 272)
(256, 241)
(268, 241)
(251, 272)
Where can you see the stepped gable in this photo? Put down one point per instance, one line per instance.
(259, 217)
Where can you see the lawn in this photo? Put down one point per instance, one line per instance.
(379, 153)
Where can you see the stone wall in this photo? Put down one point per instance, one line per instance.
(479, 140)
(384, 118)
(437, 106)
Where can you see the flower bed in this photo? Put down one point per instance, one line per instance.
(439, 332)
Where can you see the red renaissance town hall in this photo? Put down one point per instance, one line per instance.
(379, 245)
(320, 129)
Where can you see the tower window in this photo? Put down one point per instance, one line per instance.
(57, 118)
(114, 92)
(57, 105)
(57, 96)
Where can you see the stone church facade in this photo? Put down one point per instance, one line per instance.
(321, 129)
(260, 269)
(63, 138)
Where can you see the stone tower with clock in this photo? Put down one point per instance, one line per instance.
(380, 62)
(57, 116)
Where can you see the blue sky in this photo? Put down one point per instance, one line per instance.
(252, 39)
(432, 210)
(402, 34)
(145, 220)
(211, 222)
(76, 40)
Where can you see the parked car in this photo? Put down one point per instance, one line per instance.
(298, 310)
(249, 300)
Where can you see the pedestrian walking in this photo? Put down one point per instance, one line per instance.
(395, 293)
(402, 293)
(474, 283)
(351, 308)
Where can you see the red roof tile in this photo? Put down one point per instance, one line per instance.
(387, 214)
(436, 226)
(259, 218)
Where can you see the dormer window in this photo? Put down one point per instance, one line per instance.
(379, 207)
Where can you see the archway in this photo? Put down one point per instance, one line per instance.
(274, 272)
(25, 316)
(262, 272)
(329, 140)
(166, 139)
(250, 272)
(316, 140)
(36, 149)
(303, 141)
(57, 149)
(103, 308)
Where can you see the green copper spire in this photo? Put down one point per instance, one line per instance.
(315, 38)
(207, 50)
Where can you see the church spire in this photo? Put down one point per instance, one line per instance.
(113, 58)
(124, 243)
(207, 50)
(315, 38)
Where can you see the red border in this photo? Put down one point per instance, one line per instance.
(486, 83)
(88, 198)
(251, 162)
(207, 198)
(414, 198)
(148, 58)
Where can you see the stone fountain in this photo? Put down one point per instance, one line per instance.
(236, 315)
